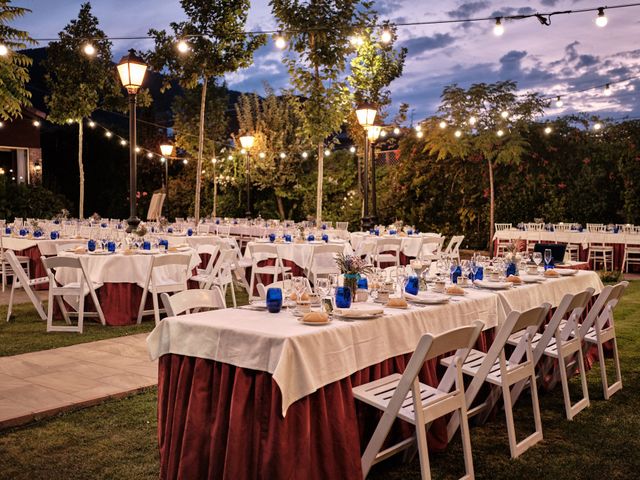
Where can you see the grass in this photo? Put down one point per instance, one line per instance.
(118, 438)
(27, 333)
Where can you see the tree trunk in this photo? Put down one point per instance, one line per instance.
(80, 169)
(320, 180)
(281, 211)
(214, 212)
(491, 207)
(203, 101)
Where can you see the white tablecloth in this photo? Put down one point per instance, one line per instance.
(46, 246)
(119, 268)
(572, 237)
(305, 358)
(298, 253)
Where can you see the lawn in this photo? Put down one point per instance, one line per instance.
(118, 438)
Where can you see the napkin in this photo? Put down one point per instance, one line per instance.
(361, 311)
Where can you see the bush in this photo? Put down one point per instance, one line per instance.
(29, 201)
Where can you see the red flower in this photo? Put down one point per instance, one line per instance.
(137, 194)
(586, 161)
(562, 185)
(144, 194)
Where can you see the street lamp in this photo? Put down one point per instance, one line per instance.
(246, 141)
(366, 113)
(132, 70)
(166, 149)
(373, 133)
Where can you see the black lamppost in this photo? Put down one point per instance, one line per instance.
(366, 113)
(166, 149)
(246, 141)
(132, 70)
(373, 133)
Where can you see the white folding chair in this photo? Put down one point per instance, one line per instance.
(5, 268)
(502, 226)
(561, 341)
(431, 249)
(602, 331)
(387, 251)
(283, 284)
(342, 225)
(194, 299)
(260, 253)
(322, 262)
(80, 288)
(202, 274)
(399, 395)
(366, 250)
(599, 251)
(21, 280)
(222, 274)
(494, 368)
(631, 251)
(157, 283)
(453, 249)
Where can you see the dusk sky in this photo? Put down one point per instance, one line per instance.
(571, 54)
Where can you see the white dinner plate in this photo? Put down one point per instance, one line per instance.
(316, 324)
(428, 298)
(358, 314)
(100, 252)
(566, 272)
(531, 278)
(493, 285)
(153, 251)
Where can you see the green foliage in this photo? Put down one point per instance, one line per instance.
(28, 201)
(14, 67)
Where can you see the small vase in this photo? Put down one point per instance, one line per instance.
(512, 269)
(351, 281)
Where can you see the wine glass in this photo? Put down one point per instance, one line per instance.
(287, 288)
(322, 289)
(537, 258)
(547, 256)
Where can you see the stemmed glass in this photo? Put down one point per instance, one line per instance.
(287, 288)
(537, 258)
(323, 286)
(547, 256)
(466, 268)
(299, 285)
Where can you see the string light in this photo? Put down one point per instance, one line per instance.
(472, 120)
(442, 124)
(183, 47)
(500, 133)
(385, 37)
(597, 126)
(458, 133)
(352, 149)
(162, 159)
(601, 19)
(547, 130)
(243, 151)
(283, 155)
(230, 157)
(420, 134)
(262, 155)
(418, 128)
(149, 155)
(1, 124)
(123, 142)
(92, 124)
(559, 102)
(305, 154)
(498, 29)
(108, 134)
(327, 152)
(89, 49)
(185, 161)
(356, 40)
(137, 149)
(4, 50)
(383, 133)
(280, 42)
(396, 131)
(607, 90)
(36, 123)
(504, 114)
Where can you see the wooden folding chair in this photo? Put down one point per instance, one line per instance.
(494, 368)
(22, 280)
(194, 299)
(156, 285)
(561, 341)
(398, 395)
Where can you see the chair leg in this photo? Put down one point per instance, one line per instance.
(466, 441)
(156, 311)
(50, 312)
(10, 307)
(233, 294)
(143, 302)
(421, 432)
(607, 389)
(80, 313)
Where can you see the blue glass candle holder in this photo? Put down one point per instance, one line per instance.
(363, 284)
(480, 273)
(324, 226)
(37, 233)
(325, 238)
(456, 271)
(23, 232)
(372, 232)
(274, 300)
(7, 230)
(409, 232)
(511, 269)
(104, 225)
(111, 246)
(189, 232)
(377, 232)
(91, 245)
(343, 297)
(287, 238)
(311, 238)
(170, 229)
(164, 243)
(392, 232)
(272, 237)
(413, 285)
(146, 245)
(54, 235)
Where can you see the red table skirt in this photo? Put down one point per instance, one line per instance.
(218, 421)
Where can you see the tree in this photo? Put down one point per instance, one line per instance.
(14, 73)
(80, 83)
(486, 122)
(214, 30)
(276, 123)
(318, 50)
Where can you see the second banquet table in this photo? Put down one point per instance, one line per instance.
(245, 394)
(120, 278)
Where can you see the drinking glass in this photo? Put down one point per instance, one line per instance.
(323, 286)
(343, 297)
(333, 281)
(547, 257)
(287, 287)
(300, 286)
(274, 300)
(537, 258)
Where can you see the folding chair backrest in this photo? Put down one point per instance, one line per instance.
(342, 225)
(266, 250)
(432, 245)
(502, 226)
(52, 264)
(596, 310)
(188, 300)
(388, 244)
(573, 306)
(212, 251)
(607, 313)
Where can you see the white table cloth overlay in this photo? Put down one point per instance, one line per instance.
(305, 358)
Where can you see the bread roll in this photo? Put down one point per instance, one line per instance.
(316, 317)
(514, 279)
(397, 303)
(551, 273)
(455, 290)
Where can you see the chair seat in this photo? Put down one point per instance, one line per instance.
(244, 263)
(474, 362)
(606, 334)
(200, 278)
(379, 393)
(386, 257)
(633, 250)
(271, 269)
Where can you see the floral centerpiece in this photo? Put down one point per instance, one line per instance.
(352, 267)
(513, 257)
(141, 231)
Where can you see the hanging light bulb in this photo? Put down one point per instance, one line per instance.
(601, 19)
(283, 155)
(89, 49)
(356, 40)
(36, 123)
(500, 133)
(108, 134)
(498, 29)
(162, 159)
(92, 124)
(383, 133)
(420, 134)
(262, 155)
(183, 46)
(458, 133)
(230, 157)
(243, 151)
(504, 114)
(123, 142)
(396, 131)
(1, 124)
(4, 50)
(137, 149)
(385, 37)
(442, 124)
(547, 130)
(185, 161)
(327, 152)
(280, 42)
(418, 128)
(559, 102)
(305, 154)
(607, 90)
(597, 126)
(149, 155)
(472, 120)
(352, 149)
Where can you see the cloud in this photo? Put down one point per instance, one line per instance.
(467, 10)
(419, 45)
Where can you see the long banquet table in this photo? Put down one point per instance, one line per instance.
(245, 394)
